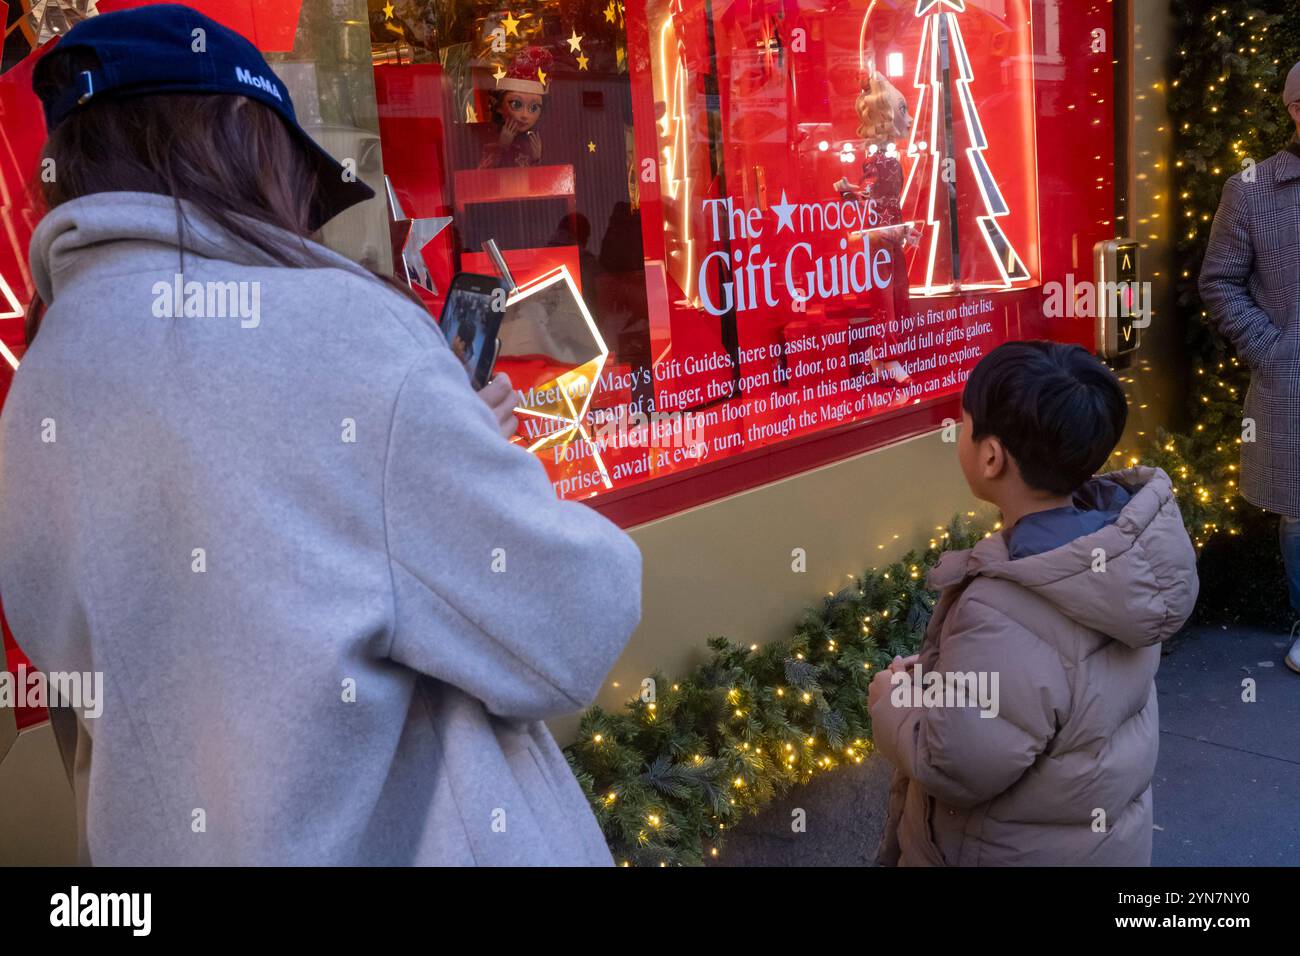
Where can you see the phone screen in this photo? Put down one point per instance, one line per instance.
(470, 326)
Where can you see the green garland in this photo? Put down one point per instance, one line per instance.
(681, 765)
(674, 771)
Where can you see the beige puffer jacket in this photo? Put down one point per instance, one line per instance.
(1062, 774)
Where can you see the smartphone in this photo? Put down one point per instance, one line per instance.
(471, 322)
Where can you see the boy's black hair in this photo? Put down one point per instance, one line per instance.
(1057, 410)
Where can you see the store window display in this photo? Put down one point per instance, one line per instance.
(767, 221)
(781, 226)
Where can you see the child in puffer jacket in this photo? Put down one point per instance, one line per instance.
(1026, 730)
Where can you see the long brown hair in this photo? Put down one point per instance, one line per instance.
(232, 159)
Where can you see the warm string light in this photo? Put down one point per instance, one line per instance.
(752, 754)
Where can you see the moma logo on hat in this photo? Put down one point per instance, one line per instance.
(150, 50)
(261, 82)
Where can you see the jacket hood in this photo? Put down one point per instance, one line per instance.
(1133, 580)
(97, 222)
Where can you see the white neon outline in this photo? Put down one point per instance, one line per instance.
(987, 223)
(674, 129)
(574, 422)
(15, 307)
(862, 37)
(974, 158)
(934, 83)
(924, 5)
(913, 147)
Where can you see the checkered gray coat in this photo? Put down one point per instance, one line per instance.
(1251, 286)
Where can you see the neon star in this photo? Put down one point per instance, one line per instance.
(784, 213)
(610, 12)
(923, 5)
(388, 12)
(500, 74)
(591, 147)
(583, 61)
(575, 43)
(541, 76)
(511, 24)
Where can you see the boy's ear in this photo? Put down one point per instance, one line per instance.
(993, 460)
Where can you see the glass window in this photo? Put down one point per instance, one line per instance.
(749, 236)
(739, 224)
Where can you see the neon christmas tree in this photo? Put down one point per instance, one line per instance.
(954, 195)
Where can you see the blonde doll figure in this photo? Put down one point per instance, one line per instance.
(884, 119)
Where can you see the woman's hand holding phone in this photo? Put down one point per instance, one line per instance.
(500, 396)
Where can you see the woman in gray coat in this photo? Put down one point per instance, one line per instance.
(329, 602)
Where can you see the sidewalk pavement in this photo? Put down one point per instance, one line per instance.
(1227, 784)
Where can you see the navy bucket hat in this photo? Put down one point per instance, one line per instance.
(170, 48)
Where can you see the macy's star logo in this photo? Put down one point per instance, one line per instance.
(784, 213)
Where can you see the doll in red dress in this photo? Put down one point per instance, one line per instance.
(884, 117)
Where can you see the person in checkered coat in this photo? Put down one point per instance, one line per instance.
(1250, 283)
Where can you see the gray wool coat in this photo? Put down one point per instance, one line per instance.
(331, 605)
(1250, 283)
